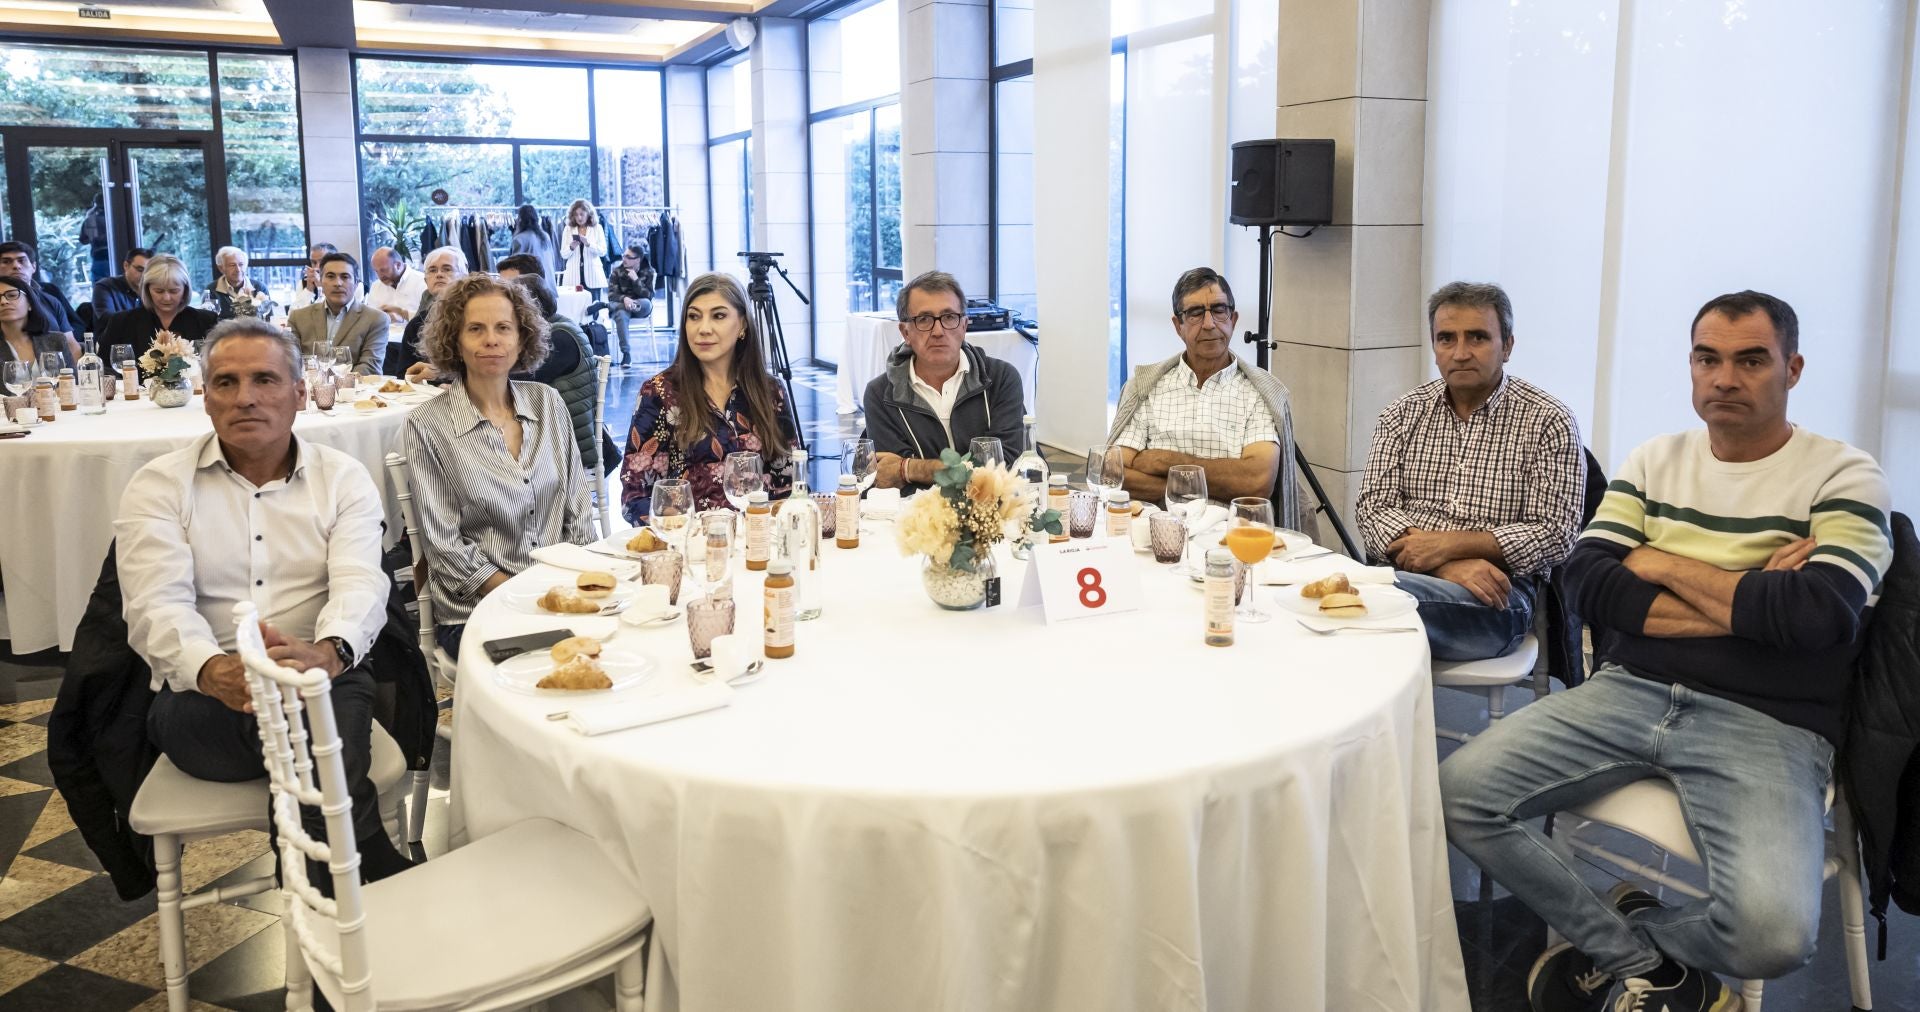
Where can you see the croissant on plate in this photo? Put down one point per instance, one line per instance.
(1335, 584)
(566, 602)
(578, 674)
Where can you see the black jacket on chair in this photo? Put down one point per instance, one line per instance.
(1565, 658)
(1880, 760)
(97, 742)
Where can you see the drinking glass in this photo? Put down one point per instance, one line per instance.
(323, 391)
(1083, 509)
(1250, 539)
(51, 364)
(986, 450)
(1104, 470)
(672, 510)
(707, 618)
(1167, 533)
(18, 377)
(743, 474)
(663, 567)
(857, 459)
(342, 358)
(829, 515)
(119, 355)
(1187, 499)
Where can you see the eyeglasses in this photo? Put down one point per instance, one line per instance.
(12, 295)
(947, 321)
(1194, 314)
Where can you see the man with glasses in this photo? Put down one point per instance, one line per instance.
(938, 390)
(1205, 406)
(17, 261)
(341, 319)
(119, 294)
(630, 295)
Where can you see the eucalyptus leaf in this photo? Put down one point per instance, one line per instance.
(962, 559)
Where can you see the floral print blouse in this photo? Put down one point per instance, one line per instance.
(653, 450)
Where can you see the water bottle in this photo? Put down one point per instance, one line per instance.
(88, 380)
(797, 539)
(1031, 468)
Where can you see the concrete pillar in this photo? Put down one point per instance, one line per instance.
(945, 138)
(687, 159)
(1347, 308)
(326, 137)
(780, 211)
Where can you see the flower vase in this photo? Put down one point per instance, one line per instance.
(173, 393)
(958, 589)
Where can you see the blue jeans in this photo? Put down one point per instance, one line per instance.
(1459, 627)
(448, 637)
(1752, 790)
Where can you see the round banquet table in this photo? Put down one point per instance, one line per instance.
(934, 810)
(60, 489)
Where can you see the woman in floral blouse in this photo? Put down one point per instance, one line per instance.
(715, 398)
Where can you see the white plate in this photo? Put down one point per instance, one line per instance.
(627, 668)
(1381, 602)
(523, 599)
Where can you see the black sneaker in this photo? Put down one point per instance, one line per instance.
(1563, 979)
(1698, 991)
(1627, 898)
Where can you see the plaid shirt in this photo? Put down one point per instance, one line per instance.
(1514, 468)
(1220, 418)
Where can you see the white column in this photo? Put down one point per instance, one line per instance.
(687, 157)
(780, 212)
(326, 137)
(945, 140)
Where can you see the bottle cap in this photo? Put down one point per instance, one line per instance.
(1219, 557)
(1119, 497)
(847, 481)
(756, 498)
(1057, 479)
(779, 567)
(1026, 419)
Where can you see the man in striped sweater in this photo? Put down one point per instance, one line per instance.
(1727, 576)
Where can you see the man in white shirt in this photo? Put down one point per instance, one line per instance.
(309, 291)
(396, 290)
(252, 513)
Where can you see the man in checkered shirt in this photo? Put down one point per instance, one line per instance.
(1205, 406)
(1474, 483)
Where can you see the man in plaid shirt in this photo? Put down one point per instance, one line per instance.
(1474, 482)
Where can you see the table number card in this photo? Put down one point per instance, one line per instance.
(1081, 579)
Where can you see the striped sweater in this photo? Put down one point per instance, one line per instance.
(1795, 633)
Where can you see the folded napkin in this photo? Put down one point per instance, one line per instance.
(881, 503)
(1213, 516)
(1283, 572)
(591, 720)
(580, 560)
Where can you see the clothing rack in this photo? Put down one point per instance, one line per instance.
(627, 220)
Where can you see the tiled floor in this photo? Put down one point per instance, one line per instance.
(67, 943)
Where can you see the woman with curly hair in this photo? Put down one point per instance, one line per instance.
(713, 399)
(495, 470)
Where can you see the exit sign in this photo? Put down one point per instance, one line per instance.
(95, 13)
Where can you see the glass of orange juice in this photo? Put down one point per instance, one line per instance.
(1250, 539)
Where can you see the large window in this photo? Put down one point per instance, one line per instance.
(854, 92)
(730, 164)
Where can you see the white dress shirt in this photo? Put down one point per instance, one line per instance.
(405, 295)
(195, 538)
(941, 400)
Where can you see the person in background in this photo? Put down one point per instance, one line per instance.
(252, 512)
(17, 260)
(1474, 483)
(938, 392)
(1733, 569)
(510, 268)
(233, 293)
(25, 329)
(121, 293)
(532, 238)
(166, 297)
(397, 288)
(630, 293)
(93, 235)
(309, 291)
(341, 319)
(582, 245)
(441, 268)
(715, 398)
(495, 469)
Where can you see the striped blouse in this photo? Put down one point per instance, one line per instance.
(483, 512)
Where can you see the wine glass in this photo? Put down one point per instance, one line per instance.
(1104, 470)
(120, 355)
(743, 474)
(18, 377)
(857, 459)
(986, 450)
(1187, 499)
(671, 510)
(1250, 539)
(50, 364)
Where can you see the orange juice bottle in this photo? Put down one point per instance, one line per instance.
(1059, 497)
(759, 530)
(1119, 514)
(778, 611)
(846, 509)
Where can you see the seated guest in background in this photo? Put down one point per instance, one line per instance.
(713, 399)
(1730, 569)
(26, 330)
(630, 295)
(251, 512)
(309, 291)
(341, 319)
(1474, 483)
(17, 260)
(531, 238)
(560, 354)
(166, 294)
(938, 391)
(121, 292)
(494, 466)
(1205, 406)
(441, 268)
(515, 264)
(397, 289)
(233, 293)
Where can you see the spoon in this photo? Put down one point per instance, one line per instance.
(749, 675)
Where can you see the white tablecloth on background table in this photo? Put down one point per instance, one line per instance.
(974, 811)
(60, 488)
(573, 302)
(871, 337)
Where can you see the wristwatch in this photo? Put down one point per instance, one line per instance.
(344, 652)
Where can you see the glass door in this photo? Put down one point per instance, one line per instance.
(71, 225)
(167, 188)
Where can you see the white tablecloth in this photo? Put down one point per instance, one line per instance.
(60, 488)
(871, 337)
(573, 303)
(930, 810)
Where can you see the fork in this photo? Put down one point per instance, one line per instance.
(1331, 630)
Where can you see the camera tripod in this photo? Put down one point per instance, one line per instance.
(766, 319)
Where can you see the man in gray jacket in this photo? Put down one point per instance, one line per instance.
(938, 390)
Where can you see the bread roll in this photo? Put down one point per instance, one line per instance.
(575, 646)
(594, 585)
(1342, 606)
